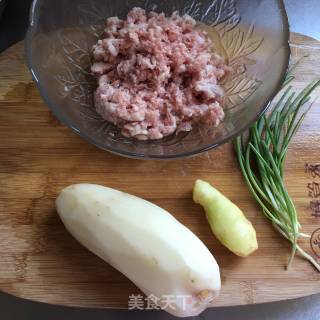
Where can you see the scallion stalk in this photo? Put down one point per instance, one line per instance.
(261, 154)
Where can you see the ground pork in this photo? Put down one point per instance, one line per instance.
(157, 75)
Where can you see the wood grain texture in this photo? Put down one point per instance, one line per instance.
(39, 260)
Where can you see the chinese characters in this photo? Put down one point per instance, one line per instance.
(152, 302)
(314, 188)
(315, 242)
(313, 170)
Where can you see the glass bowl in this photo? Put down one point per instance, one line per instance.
(252, 36)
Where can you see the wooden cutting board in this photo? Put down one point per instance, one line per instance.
(39, 260)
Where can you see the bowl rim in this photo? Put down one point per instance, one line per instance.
(33, 18)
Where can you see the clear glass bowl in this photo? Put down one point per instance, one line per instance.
(252, 35)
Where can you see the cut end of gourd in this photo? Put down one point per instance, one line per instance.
(196, 304)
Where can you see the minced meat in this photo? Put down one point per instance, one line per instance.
(157, 75)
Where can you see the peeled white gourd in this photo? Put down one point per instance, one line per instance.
(144, 242)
